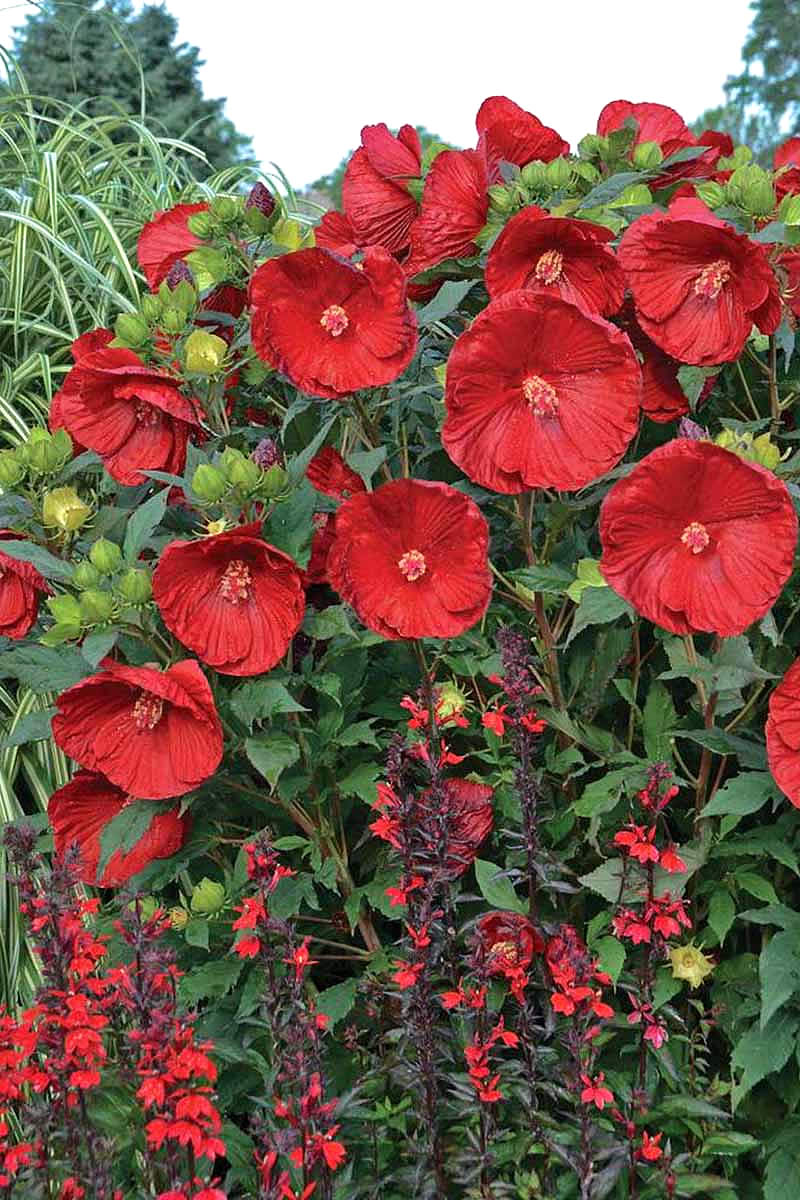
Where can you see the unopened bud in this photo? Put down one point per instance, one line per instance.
(64, 508)
(151, 308)
(273, 482)
(207, 897)
(178, 917)
(201, 224)
(711, 193)
(593, 146)
(260, 209)
(225, 208)
(500, 198)
(559, 173)
(65, 609)
(751, 188)
(86, 576)
(267, 453)
(173, 320)
(106, 556)
(204, 352)
(95, 606)
(450, 701)
(244, 474)
(208, 483)
(135, 585)
(47, 452)
(12, 469)
(131, 330)
(534, 176)
(179, 272)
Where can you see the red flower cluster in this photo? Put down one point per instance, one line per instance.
(573, 971)
(177, 1086)
(477, 1056)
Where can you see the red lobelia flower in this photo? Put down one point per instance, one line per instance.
(698, 285)
(698, 539)
(80, 811)
(330, 474)
(21, 588)
(166, 240)
(558, 256)
(783, 734)
(455, 205)
(233, 599)
(134, 416)
(330, 326)
(507, 133)
(155, 734)
(411, 559)
(787, 164)
(377, 203)
(539, 394)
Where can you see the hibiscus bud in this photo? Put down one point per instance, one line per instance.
(260, 208)
(753, 449)
(131, 330)
(450, 701)
(273, 482)
(151, 309)
(178, 917)
(65, 609)
(86, 576)
(267, 453)
(559, 173)
(12, 470)
(593, 146)
(179, 272)
(225, 208)
(501, 198)
(207, 897)
(46, 452)
(204, 352)
(183, 297)
(135, 585)
(243, 473)
(586, 170)
(647, 154)
(712, 194)
(106, 556)
(534, 176)
(751, 188)
(173, 320)
(64, 508)
(208, 483)
(201, 224)
(689, 963)
(789, 211)
(95, 606)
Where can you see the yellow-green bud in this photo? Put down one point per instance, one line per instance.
(64, 509)
(586, 170)
(244, 474)
(207, 897)
(106, 556)
(47, 452)
(690, 964)
(534, 176)
(131, 329)
(751, 188)
(789, 211)
(62, 447)
(135, 585)
(204, 352)
(647, 155)
(183, 296)
(741, 155)
(201, 224)
(754, 449)
(450, 701)
(225, 208)
(86, 576)
(95, 606)
(173, 320)
(501, 199)
(559, 173)
(273, 482)
(710, 192)
(65, 609)
(178, 917)
(151, 308)
(209, 483)
(12, 470)
(593, 146)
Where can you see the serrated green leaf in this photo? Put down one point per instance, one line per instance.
(779, 973)
(446, 300)
(271, 754)
(598, 606)
(761, 1051)
(658, 717)
(142, 523)
(744, 794)
(44, 668)
(721, 913)
(611, 956)
(290, 526)
(337, 1001)
(361, 782)
(125, 830)
(782, 1176)
(211, 981)
(260, 699)
(45, 562)
(497, 889)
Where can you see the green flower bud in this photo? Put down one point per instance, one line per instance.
(740, 157)
(244, 474)
(135, 585)
(450, 701)
(201, 224)
(65, 609)
(789, 211)
(56, 635)
(62, 448)
(256, 372)
(204, 352)
(647, 155)
(44, 453)
(593, 146)
(209, 266)
(173, 320)
(751, 188)
(711, 193)
(225, 208)
(534, 176)
(207, 897)
(178, 917)
(147, 906)
(151, 309)
(64, 509)
(96, 606)
(12, 469)
(273, 482)
(753, 449)
(183, 297)
(106, 556)
(208, 483)
(586, 170)
(559, 173)
(86, 576)
(501, 199)
(131, 330)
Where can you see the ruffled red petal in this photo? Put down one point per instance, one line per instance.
(507, 133)
(455, 205)
(166, 240)
(21, 588)
(330, 474)
(380, 210)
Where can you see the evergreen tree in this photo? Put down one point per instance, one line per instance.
(104, 57)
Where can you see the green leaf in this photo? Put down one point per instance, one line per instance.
(605, 879)
(690, 1106)
(602, 795)
(290, 526)
(611, 955)
(779, 972)
(360, 733)
(211, 981)
(658, 717)
(782, 1177)
(296, 468)
(774, 914)
(337, 1001)
(196, 933)
(331, 622)
(750, 754)
(361, 782)
(141, 525)
(260, 699)
(731, 1142)
(699, 1185)
(762, 1051)
(744, 794)
(32, 727)
(446, 300)
(598, 606)
(609, 189)
(45, 562)
(271, 754)
(125, 830)
(497, 889)
(756, 886)
(287, 899)
(721, 913)
(43, 668)
(666, 987)
(552, 580)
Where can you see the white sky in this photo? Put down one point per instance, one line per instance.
(302, 78)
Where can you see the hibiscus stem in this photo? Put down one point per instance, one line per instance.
(774, 400)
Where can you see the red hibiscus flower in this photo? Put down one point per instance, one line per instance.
(697, 284)
(134, 416)
(697, 539)
(411, 559)
(21, 588)
(80, 811)
(335, 233)
(155, 734)
(558, 256)
(166, 240)
(789, 263)
(331, 327)
(330, 474)
(377, 203)
(663, 398)
(509, 941)
(783, 734)
(455, 205)
(663, 125)
(234, 600)
(539, 394)
(507, 133)
(787, 163)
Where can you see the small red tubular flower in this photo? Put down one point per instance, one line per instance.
(411, 559)
(332, 327)
(698, 285)
(539, 394)
(595, 1092)
(80, 811)
(377, 204)
(455, 205)
(559, 256)
(233, 599)
(155, 734)
(330, 474)
(650, 1149)
(787, 164)
(697, 539)
(638, 842)
(507, 133)
(671, 861)
(783, 734)
(134, 416)
(165, 241)
(21, 588)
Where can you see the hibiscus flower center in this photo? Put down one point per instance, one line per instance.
(236, 581)
(506, 951)
(550, 266)
(541, 396)
(413, 565)
(334, 320)
(695, 537)
(146, 414)
(712, 279)
(147, 711)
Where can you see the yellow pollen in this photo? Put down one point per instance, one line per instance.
(695, 537)
(550, 266)
(541, 396)
(236, 581)
(712, 279)
(147, 711)
(505, 950)
(146, 414)
(412, 565)
(334, 320)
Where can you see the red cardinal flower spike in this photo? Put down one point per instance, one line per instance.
(233, 599)
(155, 734)
(411, 559)
(80, 811)
(455, 205)
(134, 416)
(166, 240)
(330, 326)
(698, 285)
(507, 133)
(539, 394)
(557, 256)
(21, 588)
(783, 734)
(697, 539)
